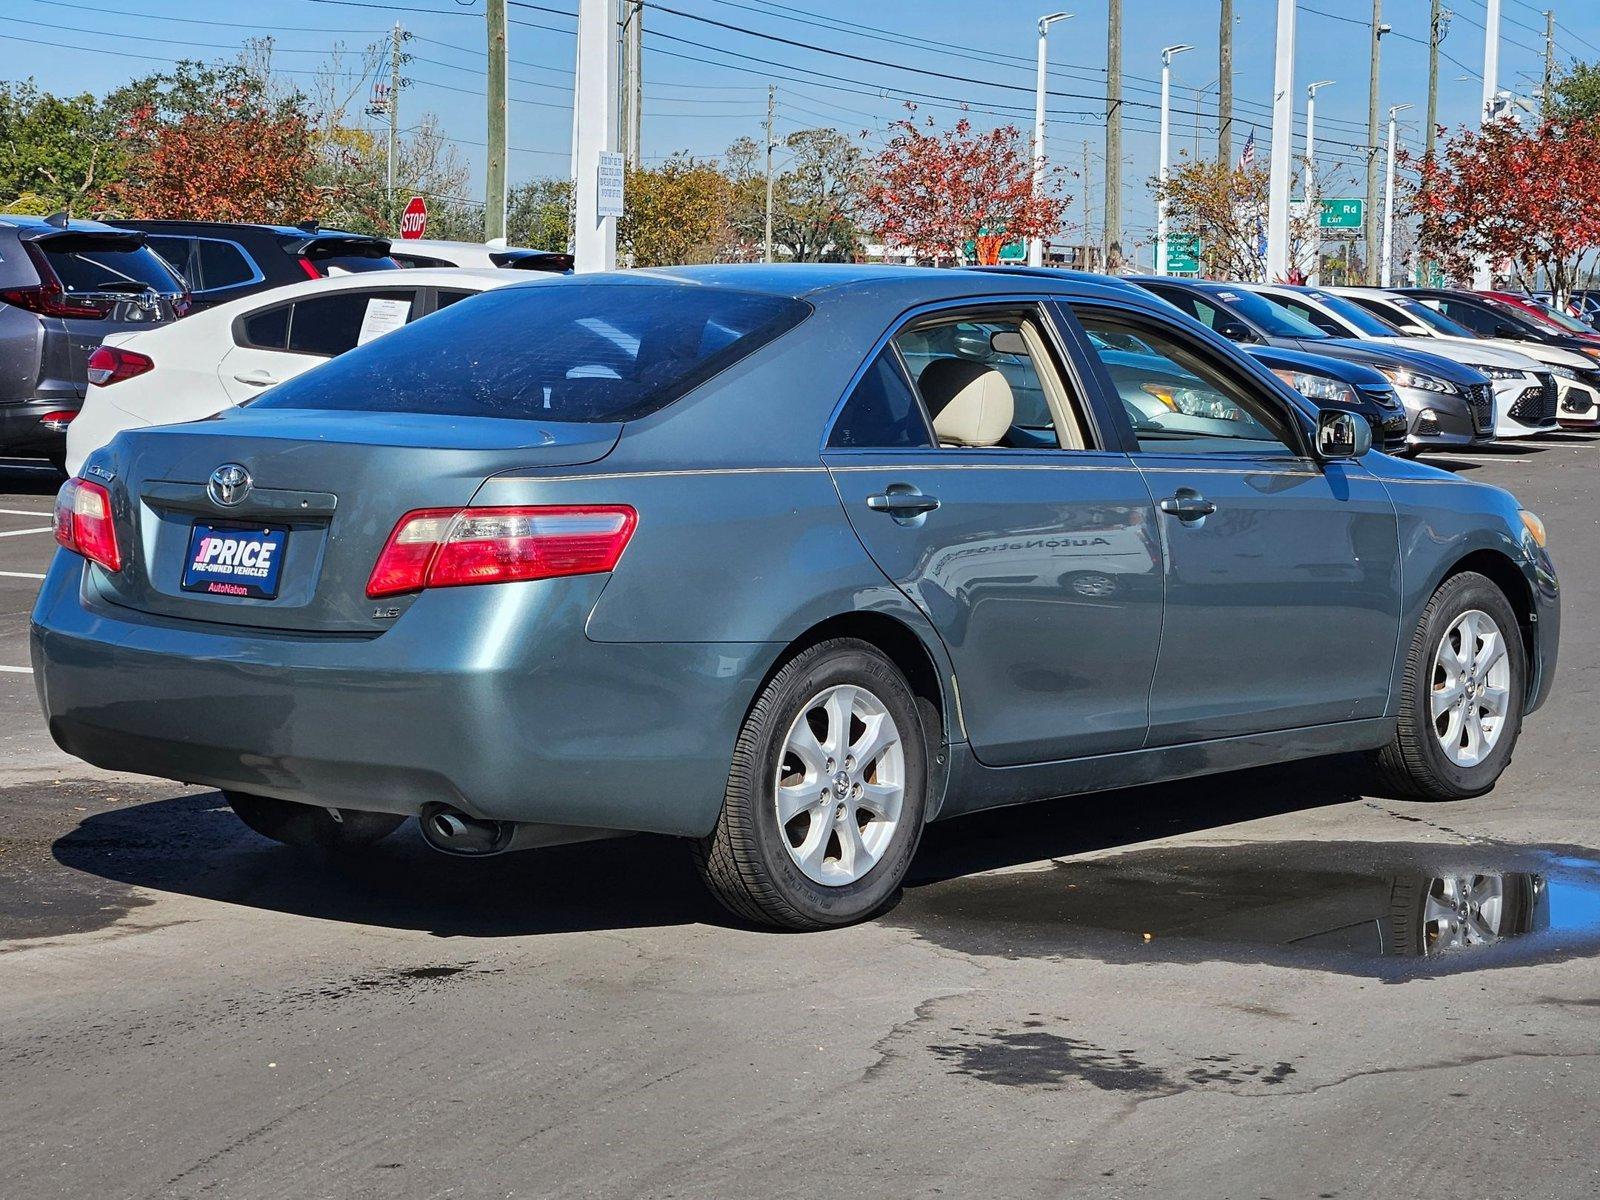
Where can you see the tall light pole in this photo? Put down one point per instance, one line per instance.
(1483, 269)
(1282, 146)
(1041, 85)
(594, 236)
(1388, 199)
(1313, 192)
(1167, 55)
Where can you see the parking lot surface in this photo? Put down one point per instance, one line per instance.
(1198, 989)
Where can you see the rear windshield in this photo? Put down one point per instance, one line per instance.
(563, 351)
(85, 268)
(351, 264)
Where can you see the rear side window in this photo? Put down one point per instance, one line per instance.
(176, 251)
(331, 325)
(565, 351)
(87, 268)
(882, 412)
(266, 330)
(222, 265)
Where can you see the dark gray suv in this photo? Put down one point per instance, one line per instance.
(65, 285)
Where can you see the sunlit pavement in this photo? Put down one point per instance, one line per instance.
(1244, 986)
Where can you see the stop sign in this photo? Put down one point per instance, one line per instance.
(415, 219)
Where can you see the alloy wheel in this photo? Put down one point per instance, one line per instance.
(840, 785)
(1471, 688)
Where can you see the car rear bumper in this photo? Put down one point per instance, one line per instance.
(498, 705)
(24, 431)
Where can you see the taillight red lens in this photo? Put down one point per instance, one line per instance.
(109, 364)
(447, 547)
(83, 523)
(310, 268)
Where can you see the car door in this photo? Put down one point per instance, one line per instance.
(979, 482)
(1282, 574)
(281, 340)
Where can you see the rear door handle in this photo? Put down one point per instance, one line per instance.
(1188, 505)
(901, 500)
(257, 378)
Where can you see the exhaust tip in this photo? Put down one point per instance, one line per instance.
(453, 832)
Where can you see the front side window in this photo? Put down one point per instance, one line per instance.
(571, 351)
(990, 381)
(1180, 400)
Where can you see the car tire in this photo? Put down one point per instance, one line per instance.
(1461, 749)
(308, 827)
(783, 852)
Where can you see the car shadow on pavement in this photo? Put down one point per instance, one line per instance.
(193, 845)
(29, 477)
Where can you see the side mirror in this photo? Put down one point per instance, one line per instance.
(1236, 331)
(1342, 434)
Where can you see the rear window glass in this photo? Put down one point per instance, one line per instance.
(91, 269)
(557, 352)
(351, 264)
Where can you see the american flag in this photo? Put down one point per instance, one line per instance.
(1247, 158)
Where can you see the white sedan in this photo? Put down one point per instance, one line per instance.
(226, 355)
(428, 252)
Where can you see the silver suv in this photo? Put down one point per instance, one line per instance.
(64, 285)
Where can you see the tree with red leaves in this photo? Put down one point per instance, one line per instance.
(1530, 198)
(934, 190)
(215, 143)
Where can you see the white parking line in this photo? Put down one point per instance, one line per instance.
(18, 670)
(20, 532)
(20, 575)
(22, 512)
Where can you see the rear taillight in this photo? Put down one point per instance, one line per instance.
(108, 365)
(310, 268)
(48, 298)
(56, 422)
(449, 547)
(83, 523)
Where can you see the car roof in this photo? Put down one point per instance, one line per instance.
(446, 244)
(179, 226)
(19, 221)
(478, 278)
(910, 285)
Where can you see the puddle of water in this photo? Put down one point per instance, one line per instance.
(1374, 908)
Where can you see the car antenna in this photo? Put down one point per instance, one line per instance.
(58, 219)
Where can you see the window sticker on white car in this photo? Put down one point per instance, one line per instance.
(382, 316)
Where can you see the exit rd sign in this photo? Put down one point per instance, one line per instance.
(1342, 214)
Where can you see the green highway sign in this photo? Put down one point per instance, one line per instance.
(1342, 214)
(1183, 254)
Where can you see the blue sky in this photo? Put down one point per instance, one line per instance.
(705, 85)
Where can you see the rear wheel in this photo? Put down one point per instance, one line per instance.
(309, 827)
(825, 801)
(1461, 695)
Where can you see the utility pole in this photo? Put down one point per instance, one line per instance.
(1482, 268)
(394, 117)
(1088, 253)
(1224, 85)
(1388, 200)
(1312, 189)
(494, 185)
(772, 103)
(1113, 230)
(1279, 172)
(633, 86)
(1549, 62)
(1436, 27)
(1371, 222)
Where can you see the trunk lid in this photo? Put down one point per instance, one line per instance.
(334, 482)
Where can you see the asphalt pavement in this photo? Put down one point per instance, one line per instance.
(1213, 989)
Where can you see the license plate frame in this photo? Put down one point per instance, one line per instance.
(233, 567)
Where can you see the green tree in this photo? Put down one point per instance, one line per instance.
(539, 215)
(55, 151)
(817, 197)
(678, 212)
(1576, 94)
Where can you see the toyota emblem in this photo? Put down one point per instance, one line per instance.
(230, 484)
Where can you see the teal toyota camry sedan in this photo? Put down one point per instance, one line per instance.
(783, 561)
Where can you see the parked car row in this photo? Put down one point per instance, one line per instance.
(70, 286)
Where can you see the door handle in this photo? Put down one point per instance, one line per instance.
(257, 378)
(1188, 505)
(902, 500)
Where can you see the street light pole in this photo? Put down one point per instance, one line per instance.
(1388, 200)
(1313, 192)
(1282, 146)
(1483, 269)
(1041, 86)
(1167, 55)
